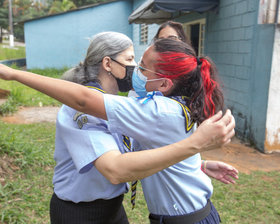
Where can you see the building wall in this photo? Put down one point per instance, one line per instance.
(242, 50)
(140, 48)
(273, 110)
(62, 40)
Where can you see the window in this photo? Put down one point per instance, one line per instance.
(143, 34)
(195, 31)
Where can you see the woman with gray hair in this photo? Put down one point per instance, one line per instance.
(81, 193)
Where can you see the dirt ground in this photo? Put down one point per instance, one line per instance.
(241, 156)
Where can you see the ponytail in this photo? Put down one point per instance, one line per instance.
(209, 86)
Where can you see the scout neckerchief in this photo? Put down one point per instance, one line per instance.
(181, 100)
(84, 119)
(128, 148)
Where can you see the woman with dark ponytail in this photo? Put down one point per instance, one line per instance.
(178, 96)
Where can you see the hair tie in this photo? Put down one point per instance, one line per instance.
(198, 61)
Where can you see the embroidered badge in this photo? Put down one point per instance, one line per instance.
(77, 115)
(80, 121)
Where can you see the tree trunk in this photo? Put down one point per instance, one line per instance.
(1, 38)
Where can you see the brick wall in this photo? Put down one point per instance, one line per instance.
(229, 42)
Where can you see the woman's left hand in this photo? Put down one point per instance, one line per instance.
(220, 171)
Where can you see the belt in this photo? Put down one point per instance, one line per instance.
(182, 219)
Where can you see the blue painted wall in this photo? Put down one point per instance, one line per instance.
(261, 71)
(140, 48)
(62, 40)
(242, 50)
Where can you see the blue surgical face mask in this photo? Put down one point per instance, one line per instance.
(139, 82)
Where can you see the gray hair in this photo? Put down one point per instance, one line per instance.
(102, 44)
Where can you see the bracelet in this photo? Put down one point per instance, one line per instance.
(203, 165)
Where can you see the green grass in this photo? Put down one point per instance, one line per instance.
(22, 95)
(25, 192)
(7, 53)
(26, 185)
(254, 199)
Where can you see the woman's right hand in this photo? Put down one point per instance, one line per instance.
(215, 131)
(6, 72)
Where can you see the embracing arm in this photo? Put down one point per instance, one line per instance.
(212, 133)
(69, 93)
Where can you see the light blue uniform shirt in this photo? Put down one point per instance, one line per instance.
(179, 189)
(80, 140)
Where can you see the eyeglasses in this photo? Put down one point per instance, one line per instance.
(171, 37)
(145, 69)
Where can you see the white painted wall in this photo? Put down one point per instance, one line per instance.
(273, 109)
(267, 12)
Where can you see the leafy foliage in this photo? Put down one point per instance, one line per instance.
(63, 6)
(79, 3)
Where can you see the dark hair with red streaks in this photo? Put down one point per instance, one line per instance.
(195, 78)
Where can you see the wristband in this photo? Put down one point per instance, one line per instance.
(203, 165)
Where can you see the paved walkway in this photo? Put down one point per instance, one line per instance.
(16, 43)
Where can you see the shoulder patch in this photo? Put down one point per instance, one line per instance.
(80, 120)
(77, 115)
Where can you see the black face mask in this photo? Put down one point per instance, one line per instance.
(125, 84)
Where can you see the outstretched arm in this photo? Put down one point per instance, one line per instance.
(118, 168)
(220, 171)
(69, 93)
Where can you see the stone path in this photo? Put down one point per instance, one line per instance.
(27, 115)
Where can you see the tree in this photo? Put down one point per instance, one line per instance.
(24, 10)
(80, 3)
(4, 15)
(58, 6)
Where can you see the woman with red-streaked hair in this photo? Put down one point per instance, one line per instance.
(176, 91)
